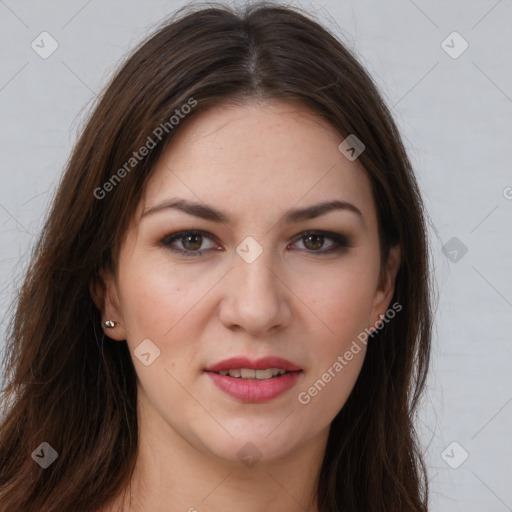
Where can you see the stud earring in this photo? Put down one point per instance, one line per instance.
(109, 324)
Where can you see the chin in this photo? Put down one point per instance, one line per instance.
(250, 447)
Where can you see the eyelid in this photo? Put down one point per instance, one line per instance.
(341, 241)
(169, 239)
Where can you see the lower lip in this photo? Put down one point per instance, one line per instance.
(255, 391)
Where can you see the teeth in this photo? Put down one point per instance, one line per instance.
(249, 373)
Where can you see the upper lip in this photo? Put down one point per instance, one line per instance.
(255, 364)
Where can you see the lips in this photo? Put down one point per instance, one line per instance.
(255, 364)
(254, 390)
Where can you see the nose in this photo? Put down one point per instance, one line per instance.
(256, 298)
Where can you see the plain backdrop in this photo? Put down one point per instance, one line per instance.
(451, 95)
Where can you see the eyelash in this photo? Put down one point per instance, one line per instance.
(340, 242)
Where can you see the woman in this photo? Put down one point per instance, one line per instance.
(229, 304)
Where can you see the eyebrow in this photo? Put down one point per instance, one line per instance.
(294, 215)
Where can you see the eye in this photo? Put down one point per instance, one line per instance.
(314, 240)
(191, 241)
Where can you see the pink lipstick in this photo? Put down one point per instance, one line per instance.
(254, 381)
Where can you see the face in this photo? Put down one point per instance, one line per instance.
(267, 275)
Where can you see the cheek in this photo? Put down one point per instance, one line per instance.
(324, 394)
(341, 304)
(342, 301)
(338, 347)
(161, 303)
(165, 308)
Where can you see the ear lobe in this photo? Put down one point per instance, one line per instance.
(104, 295)
(386, 287)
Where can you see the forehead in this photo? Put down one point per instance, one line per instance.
(256, 158)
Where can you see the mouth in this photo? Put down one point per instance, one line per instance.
(254, 381)
(252, 374)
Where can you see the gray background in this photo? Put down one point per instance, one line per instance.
(453, 113)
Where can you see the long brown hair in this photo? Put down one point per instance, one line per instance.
(67, 386)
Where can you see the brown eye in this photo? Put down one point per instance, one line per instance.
(191, 242)
(313, 242)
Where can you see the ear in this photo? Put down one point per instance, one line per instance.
(104, 294)
(386, 287)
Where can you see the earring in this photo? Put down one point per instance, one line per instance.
(109, 324)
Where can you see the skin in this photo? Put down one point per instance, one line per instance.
(253, 162)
